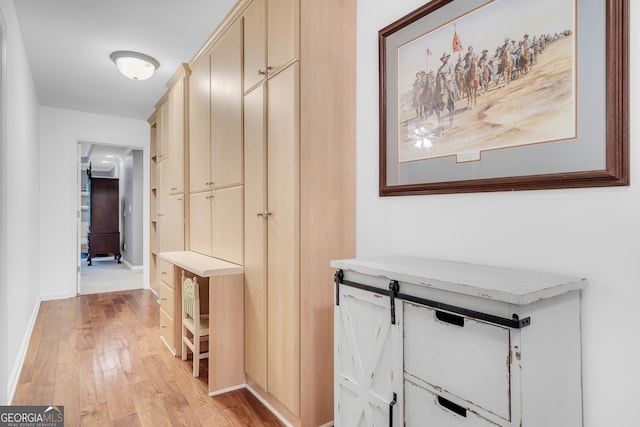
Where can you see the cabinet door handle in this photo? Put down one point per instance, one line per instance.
(449, 318)
(394, 288)
(391, 405)
(262, 73)
(456, 409)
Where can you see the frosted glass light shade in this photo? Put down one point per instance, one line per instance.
(134, 65)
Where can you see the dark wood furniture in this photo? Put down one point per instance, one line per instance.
(104, 223)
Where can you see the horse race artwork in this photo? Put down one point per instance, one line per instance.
(500, 76)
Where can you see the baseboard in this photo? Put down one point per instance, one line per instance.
(171, 350)
(12, 383)
(269, 407)
(129, 266)
(227, 390)
(52, 297)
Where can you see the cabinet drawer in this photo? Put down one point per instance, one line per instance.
(464, 356)
(167, 328)
(423, 408)
(167, 299)
(166, 273)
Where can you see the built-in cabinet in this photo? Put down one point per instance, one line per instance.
(426, 342)
(167, 197)
(170, 164)
(271, 127)
(299, 195)
(215, 173)
(271, 184)
(153, 197)
(272, 237)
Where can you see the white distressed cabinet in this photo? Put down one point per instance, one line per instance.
(422, 342)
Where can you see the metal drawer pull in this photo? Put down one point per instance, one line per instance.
(452, 319)
(457, 409)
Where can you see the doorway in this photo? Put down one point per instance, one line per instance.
(122, 164)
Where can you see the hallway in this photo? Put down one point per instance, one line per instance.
(100, 356)
(106, 275)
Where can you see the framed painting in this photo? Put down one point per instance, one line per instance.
(502, 95)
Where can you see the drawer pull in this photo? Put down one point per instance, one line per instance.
(452, 319)
(457, 409)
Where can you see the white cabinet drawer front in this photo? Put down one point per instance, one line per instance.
(425, 409)
(166, 272)
(461, 355)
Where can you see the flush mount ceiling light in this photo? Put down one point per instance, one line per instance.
(134, 65)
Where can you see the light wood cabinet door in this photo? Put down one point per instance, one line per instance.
(200, 222)
(162, 133)
(227, 224)
(255, 43)
(282, 33)
(226, 108)
(200, 126)
(175, 138)
(171, 223)
(255, 229)
(283, 353)
(270, 38)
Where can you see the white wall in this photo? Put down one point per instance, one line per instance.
(131, 178)
(60, 132)
(594, 233)
(20, 204)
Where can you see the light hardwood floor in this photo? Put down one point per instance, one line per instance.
(101, 357)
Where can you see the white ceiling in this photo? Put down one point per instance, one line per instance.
(68, 43)
(103, 158)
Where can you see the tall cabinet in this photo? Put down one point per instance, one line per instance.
(104, 221)
(215, 151)
(271, 184)
(299, 200)
(169, 137)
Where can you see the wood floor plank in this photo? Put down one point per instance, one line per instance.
(95, 415)
(128, 421)
(100, 356)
